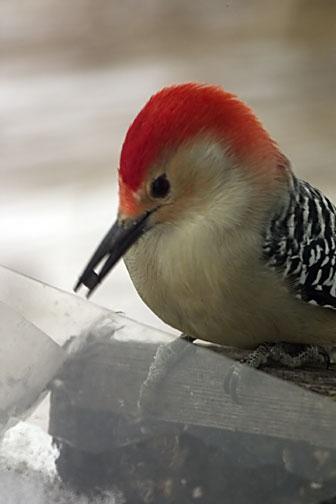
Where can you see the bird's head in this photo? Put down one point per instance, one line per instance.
(194, 151)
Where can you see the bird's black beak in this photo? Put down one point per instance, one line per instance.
(114, 245)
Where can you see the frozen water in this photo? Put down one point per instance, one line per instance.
(28, 472)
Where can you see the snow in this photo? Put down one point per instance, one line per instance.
(28, 472)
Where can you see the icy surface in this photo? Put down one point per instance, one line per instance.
(29, 360)
(28, 472)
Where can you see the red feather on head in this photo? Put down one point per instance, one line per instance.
(178, 113)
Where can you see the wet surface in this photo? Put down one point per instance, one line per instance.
(189, 442)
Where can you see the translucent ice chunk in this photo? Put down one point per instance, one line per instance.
(29, 359)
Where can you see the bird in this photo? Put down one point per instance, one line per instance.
(221, 239)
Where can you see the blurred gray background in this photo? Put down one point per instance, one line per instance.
(74, 74)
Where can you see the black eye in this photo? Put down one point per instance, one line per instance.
(160, 187)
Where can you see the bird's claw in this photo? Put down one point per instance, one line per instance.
(232, 381)
(256, 359)
(289, 355)
(323, 356)
(238, 375)
(298, 355)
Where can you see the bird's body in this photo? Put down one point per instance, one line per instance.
(220, 239)
(238, 291)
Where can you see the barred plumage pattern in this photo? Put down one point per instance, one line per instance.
(300, 243)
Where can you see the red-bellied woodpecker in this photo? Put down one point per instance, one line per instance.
(220, 238)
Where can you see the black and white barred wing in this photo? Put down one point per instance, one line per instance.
(301, 244)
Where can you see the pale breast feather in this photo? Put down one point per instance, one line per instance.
(300, 244)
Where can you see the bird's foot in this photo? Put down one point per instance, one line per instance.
(287, 354)
(166, 357)
(299, 355)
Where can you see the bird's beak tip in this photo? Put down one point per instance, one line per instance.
(113, 246)
(77, 286)
(88, 294)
